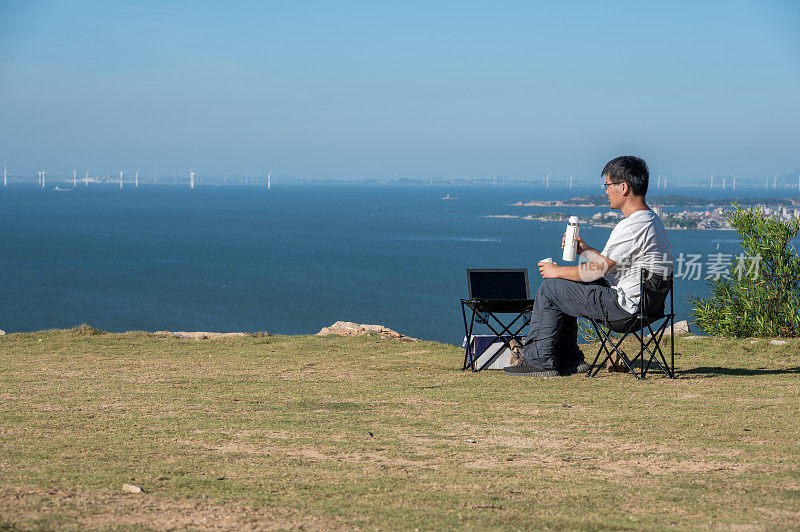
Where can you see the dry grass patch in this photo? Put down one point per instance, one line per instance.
(362, 432)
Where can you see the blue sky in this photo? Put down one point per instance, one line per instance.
(348, 89)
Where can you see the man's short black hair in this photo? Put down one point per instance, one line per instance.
(632, 170)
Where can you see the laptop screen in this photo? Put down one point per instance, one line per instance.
(498, 284)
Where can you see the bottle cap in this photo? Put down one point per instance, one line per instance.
(573, 220)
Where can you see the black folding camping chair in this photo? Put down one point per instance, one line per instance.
(654, 291)
(492, 293)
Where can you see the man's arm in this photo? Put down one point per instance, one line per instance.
(594, 269)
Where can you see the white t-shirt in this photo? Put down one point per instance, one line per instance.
(639, 241)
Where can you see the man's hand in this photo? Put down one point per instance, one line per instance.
(586, 272)
(548, 270)
(580, 244)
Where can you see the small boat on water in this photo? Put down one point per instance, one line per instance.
(448, 196)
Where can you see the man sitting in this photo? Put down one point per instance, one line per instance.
(605, 286)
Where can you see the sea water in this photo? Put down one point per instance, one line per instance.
(288, 260)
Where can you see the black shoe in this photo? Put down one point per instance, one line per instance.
(530, 370)
(583, 367)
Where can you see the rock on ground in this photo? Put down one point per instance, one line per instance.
(681, 327)
(348, 328)
(131, 488)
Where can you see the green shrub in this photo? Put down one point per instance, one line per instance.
(761, 296)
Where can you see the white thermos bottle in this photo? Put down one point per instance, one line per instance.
(570, 245)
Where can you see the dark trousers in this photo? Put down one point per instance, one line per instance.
(552, 342)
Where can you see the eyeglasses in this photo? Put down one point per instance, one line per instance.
(606, 185)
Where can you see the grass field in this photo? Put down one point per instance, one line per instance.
(339, 433)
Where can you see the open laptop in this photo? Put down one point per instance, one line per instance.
(499, 289)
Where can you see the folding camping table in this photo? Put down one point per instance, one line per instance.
(492, 293)
(485, 311)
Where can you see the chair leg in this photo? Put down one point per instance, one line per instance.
(641, 348)
(628, 363)
(594, 363)
(672, 342)
(606, 337)
(645, 346)
(658, 336)
(656, 353)
(671, 366)
(592, 372)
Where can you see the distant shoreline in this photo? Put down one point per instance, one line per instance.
(711, 216)
(670, 200)
(531, 218)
